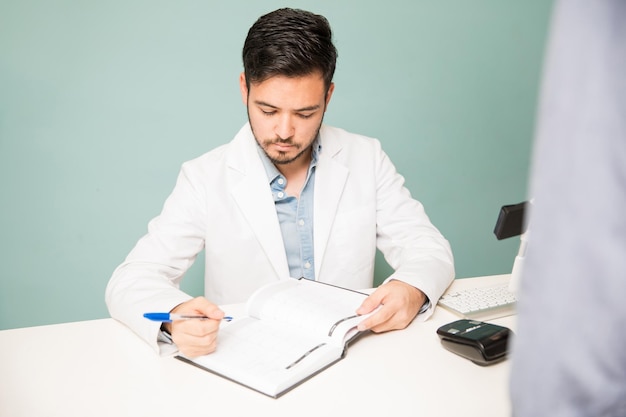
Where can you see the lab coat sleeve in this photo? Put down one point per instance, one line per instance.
(149, 278)
(411, 244)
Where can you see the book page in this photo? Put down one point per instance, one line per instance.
(294, 329)
(323, 310)
(268, 357)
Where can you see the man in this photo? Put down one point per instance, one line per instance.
(287, 197)
(569, 355)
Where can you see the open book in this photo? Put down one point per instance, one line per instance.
(294, 329)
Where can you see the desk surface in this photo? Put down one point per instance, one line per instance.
(100, 368)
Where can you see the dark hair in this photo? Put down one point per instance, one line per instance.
(289, 42)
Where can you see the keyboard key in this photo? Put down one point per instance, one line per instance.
(482, 303)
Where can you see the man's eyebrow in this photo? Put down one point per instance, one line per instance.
(307, 108)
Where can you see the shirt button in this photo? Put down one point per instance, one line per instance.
(280, 194)
(301, 222)
(307, 265)
(281, 181)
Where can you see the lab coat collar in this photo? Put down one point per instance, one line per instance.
(254, 198)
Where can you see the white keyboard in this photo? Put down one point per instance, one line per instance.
(483, 303)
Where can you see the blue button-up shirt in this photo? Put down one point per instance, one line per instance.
(295, 216)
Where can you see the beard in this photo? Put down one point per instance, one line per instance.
(284, 158)
(279, 157)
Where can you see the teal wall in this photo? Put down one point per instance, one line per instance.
(101, 102)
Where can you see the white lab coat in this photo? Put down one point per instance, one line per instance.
(222, 202)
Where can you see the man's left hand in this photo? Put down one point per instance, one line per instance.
(399, 304)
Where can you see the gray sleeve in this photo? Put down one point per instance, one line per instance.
(569, 355)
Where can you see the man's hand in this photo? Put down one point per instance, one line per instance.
(399, 304)
(196, 337)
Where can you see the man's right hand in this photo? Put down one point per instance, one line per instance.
(196, 337)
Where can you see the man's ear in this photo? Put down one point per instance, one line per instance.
(329, 93)
(244, 88)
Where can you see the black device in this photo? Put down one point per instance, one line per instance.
(511, 220)
(482, 343)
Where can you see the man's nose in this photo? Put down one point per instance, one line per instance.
(284, 128)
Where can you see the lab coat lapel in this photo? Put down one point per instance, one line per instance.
(330, 179)
(254, 198)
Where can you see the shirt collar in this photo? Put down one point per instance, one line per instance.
(273, 172)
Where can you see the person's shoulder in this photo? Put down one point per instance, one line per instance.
(337, 133)
(213, 157)
(208, 158)
(332, 137)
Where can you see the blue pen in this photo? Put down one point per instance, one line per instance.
(169, 317)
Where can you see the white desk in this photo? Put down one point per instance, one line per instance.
(100, 368)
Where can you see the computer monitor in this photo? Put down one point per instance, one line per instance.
(511, 222)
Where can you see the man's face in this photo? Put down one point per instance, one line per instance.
(286, 114)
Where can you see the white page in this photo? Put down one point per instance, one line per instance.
(316, 306)
(267, 356)
(286, 336)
